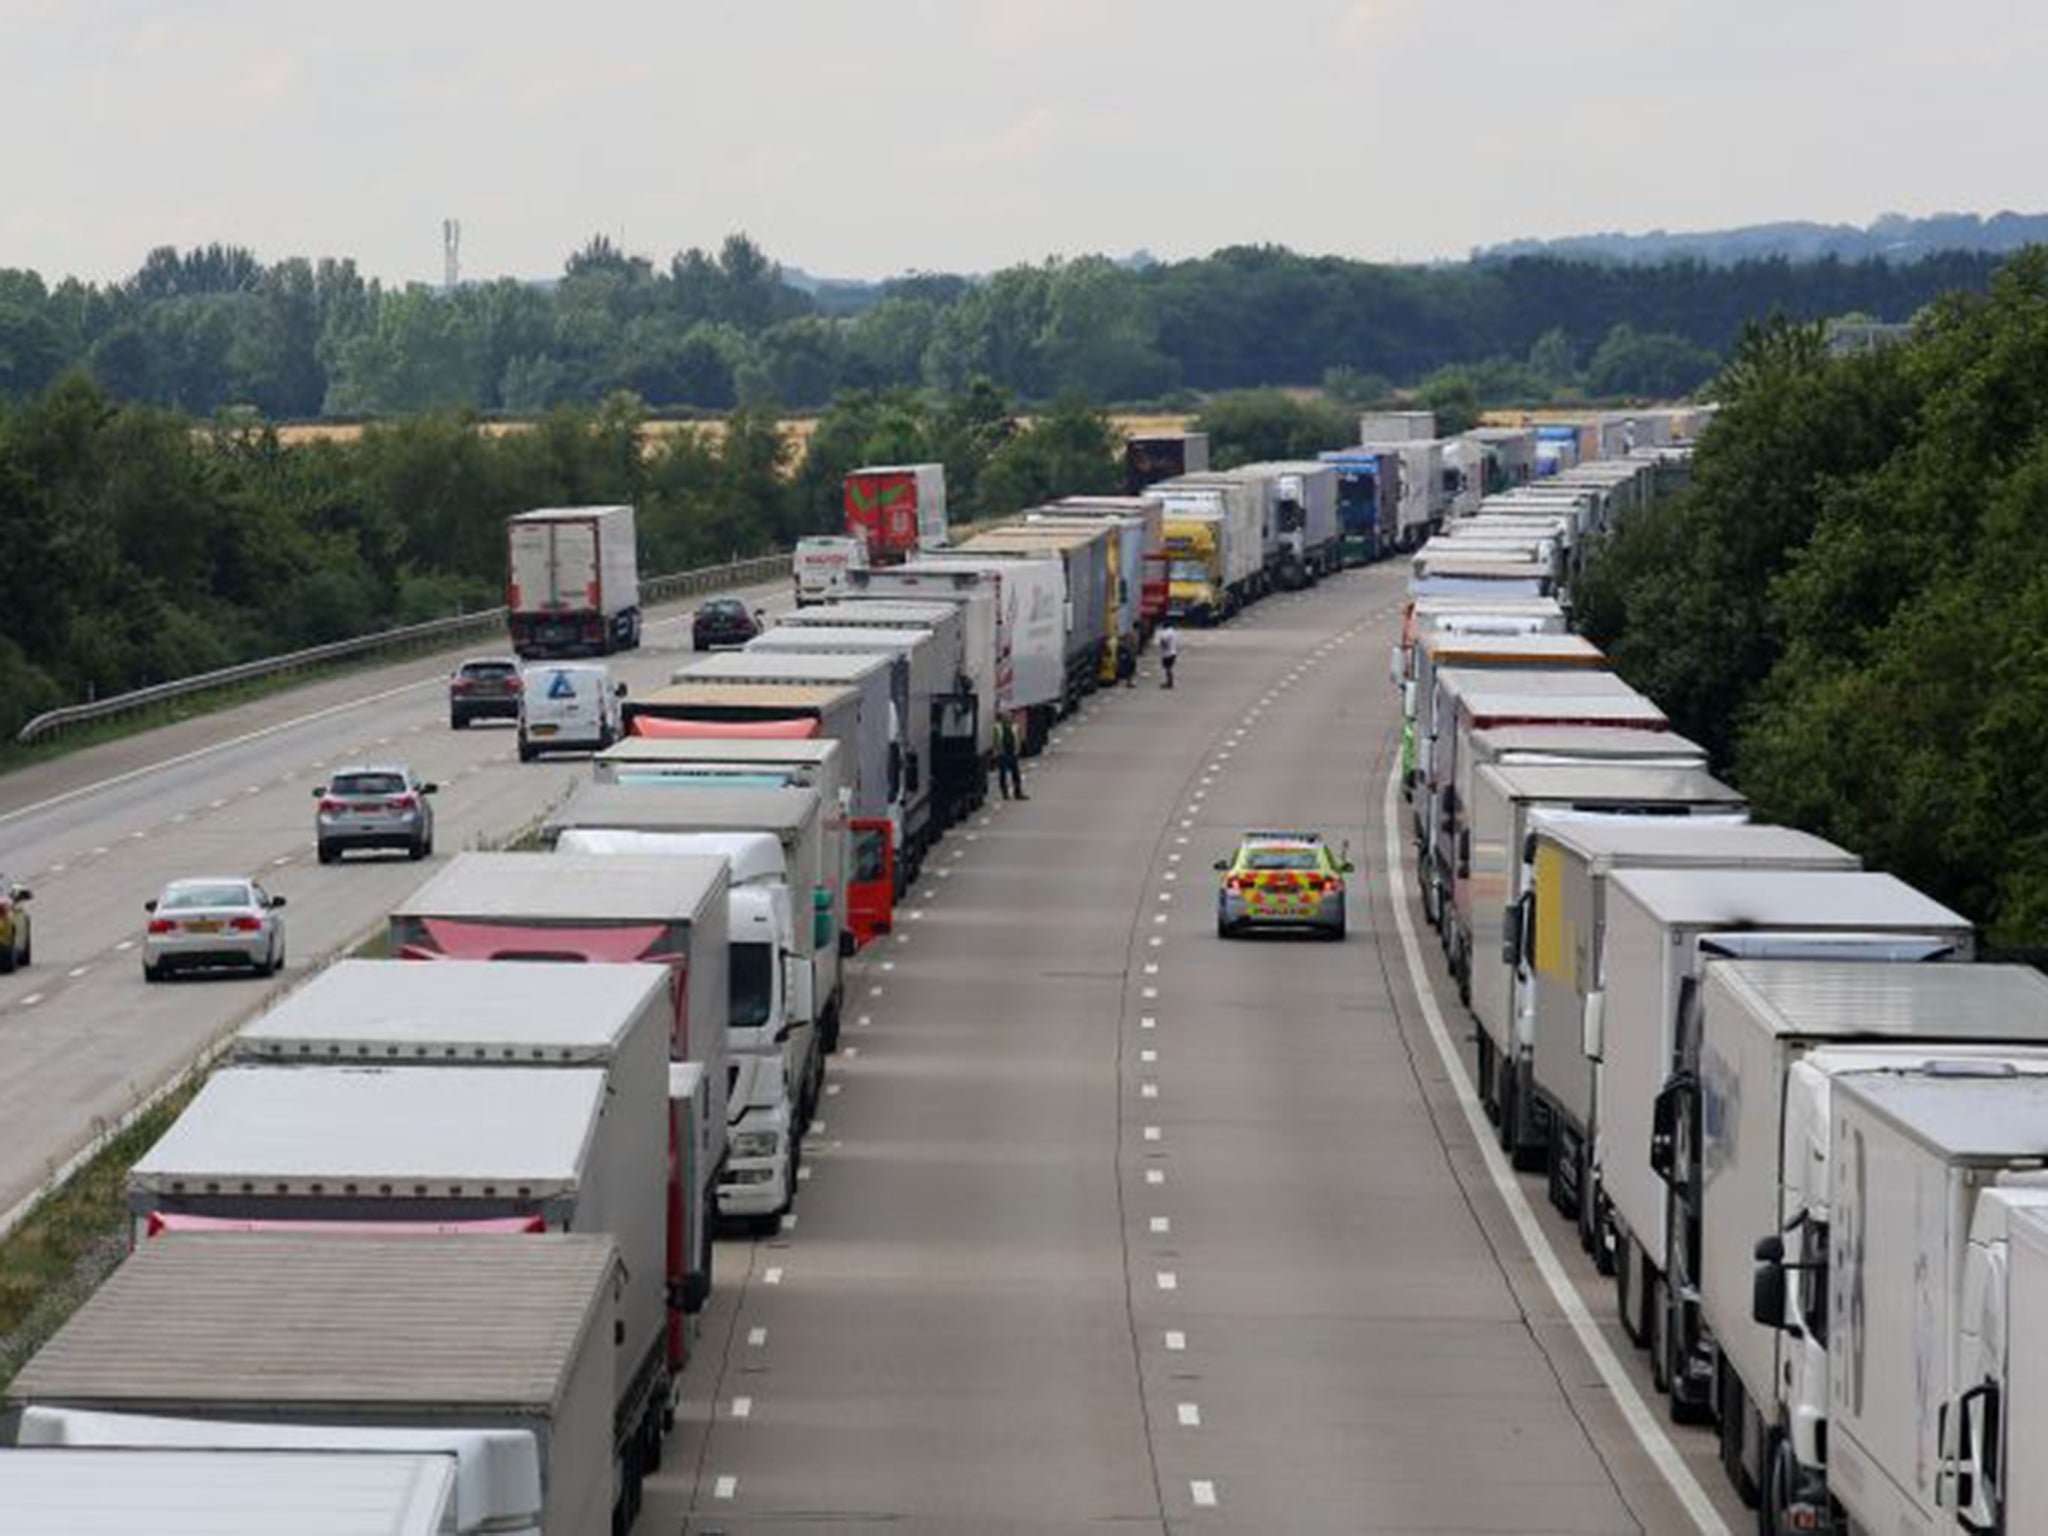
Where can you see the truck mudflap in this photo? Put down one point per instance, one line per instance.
(870, 879)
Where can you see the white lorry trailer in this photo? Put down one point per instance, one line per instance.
(572, 581)
(227, 1493)
(1089, 605)
(1993, 1433)
(1566, 925)
(537, 906)
(777, 1052)
(1423, 497)
(1775, 1040)
(1310, 545)
(1488, 916)
(1913, 1159)
(1664, 928)
(1214, 534)
(511, 1336)
(965, 635)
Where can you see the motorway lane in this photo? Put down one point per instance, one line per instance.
(96, 833)
(1111, 1222)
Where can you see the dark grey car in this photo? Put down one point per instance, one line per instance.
(372, 807)
(484, 688)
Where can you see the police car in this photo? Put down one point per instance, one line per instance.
(1281, 880)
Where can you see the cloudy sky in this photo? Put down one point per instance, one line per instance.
(859, 139)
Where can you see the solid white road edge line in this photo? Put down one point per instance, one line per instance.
(1649, 1434)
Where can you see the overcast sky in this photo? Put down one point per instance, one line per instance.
(860, 139)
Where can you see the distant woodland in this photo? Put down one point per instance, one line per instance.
(217, 328)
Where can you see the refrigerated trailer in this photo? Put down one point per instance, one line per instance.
(1565, 927)
(1776, 1041)
(572, 581)
(964, 631)
(511, 1336)
(1144, 566)
(1089, 603)
(895, 510)
(1665, 927)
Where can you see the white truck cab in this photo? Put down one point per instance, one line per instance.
(568, 706)
(821, 565)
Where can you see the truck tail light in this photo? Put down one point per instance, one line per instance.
(161, 925)
(247, 925)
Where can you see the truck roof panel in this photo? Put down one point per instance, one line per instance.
(223, 1318)
(583, 887)
(317, 1130)
(1965, 1118)
(1588, 741)
(711, 749)
(686, 807)
(1594, 780)
(734, 694)
(1686, 840)
(1786, 898)
(1940, 1002)
(747, 666)
(876, 611)
(488, 1010)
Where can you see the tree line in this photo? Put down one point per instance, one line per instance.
(1849, 606)
(216, 328)
(138, 544)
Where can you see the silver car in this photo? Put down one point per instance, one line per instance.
(374, 807)
(200, 924)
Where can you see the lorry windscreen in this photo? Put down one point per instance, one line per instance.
(1188, 570)
(750, 971)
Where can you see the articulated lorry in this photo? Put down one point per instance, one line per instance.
(1142, 559)
(1132, 539)
(1088, 612)
(1152, 457)
(1471, 642)
(1665, 929)
(1215, 546)
(1308, 544)
(895, 510)
(965, 634)
(1368, 501)
(1027, 599)
(1924, 1170)
(572, 581)
(1423, 497)
(755, 695)
(812, 862)
(1486, 925)
(1562, 990)
(1776, 1040)
(508, 1339)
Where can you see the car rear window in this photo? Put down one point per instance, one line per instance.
(186, 897)
(1281, 858)
(491, 670)
(367, 784)
(725, 607)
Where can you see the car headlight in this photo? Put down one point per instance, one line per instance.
(756, 1144)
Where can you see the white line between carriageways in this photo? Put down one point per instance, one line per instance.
(1641, 1422)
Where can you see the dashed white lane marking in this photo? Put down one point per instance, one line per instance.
(58, 869)
(1166, 1280)
(1149, 992)
(832, 1090)
(125, 944)
(1148, 1090)
(1148, 1056)
(1648, 1433)
(78, 970)
(803, 1174)
(1161, 1224)
(945, 874)
(874, 991)
(743, 1407)
(1189, 1415)
(902, 938)
(1155, 941)
(1187, 823)
(850, 1053)
(1176, 1340)
(1166, 895)
(863, 1021)
(772, 1275)
(252, 789)
(281, 861)
(1152, 1133)
(99, 850)
(1151, 967)
(1148, 1022)
(139, 833)
(888, 965)
(1182, 841)
(32, 999)
(789, 1217)
(916, 914)
(1174, 858)
(726, 1487)
(1155, 1175)
(1159, 917)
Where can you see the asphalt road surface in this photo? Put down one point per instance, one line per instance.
(1108, 1223)
(96, 833)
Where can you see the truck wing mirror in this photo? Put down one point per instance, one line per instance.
(1511, 932)
(1767, 1284)
(1664, 1131)
(1967, 1437)
(1464, 853)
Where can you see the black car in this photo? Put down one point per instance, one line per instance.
(484, 688)
(724, 621)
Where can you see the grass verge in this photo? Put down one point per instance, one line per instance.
(72, 1240)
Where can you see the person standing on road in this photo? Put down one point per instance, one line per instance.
(1009, 777)
(1168, 640)
(1127, 662)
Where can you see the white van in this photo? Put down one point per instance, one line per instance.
(821, 566)
(568, 706)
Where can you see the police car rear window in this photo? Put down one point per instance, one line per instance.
(1281, 858)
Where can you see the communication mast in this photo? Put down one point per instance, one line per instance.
(451, 254)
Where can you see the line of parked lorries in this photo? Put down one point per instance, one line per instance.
(1804, 1133)
(433, 1238)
